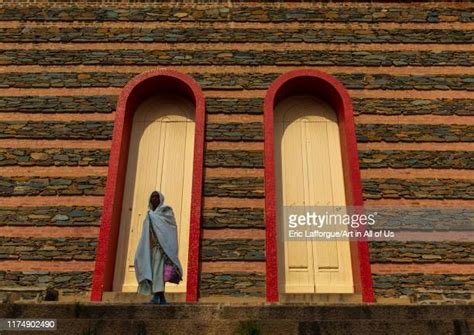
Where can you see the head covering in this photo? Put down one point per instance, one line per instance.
(161, 197)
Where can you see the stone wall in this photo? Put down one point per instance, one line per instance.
(53, 156)
(177, 57)
(448, 159)
(421, 252)
(408, 69)
(425, 288)
(47, 249)
(240, 81)
(50, 216)
(20, 186)
(235, 131)
(30, 285)
(239, 284)
(317, 13)
(233, 218)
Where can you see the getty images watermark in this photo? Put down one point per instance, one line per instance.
(377, 223)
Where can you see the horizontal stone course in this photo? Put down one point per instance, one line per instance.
(87, 130)
(243, 13)
(232, 283)
(63, 216)
(233, 158)
(234, 35)
(229, 217)
(414, 133)
(106, 104)
(53, 157)
(422, 219)
(365, 132)
(238, 81)
(57, 104)
(232, 250)
(403, 159)
(21, 186)
(239, 187)
(234, 105)
(408, 106)
(421, 252)
(422, 287)
(70, 281)
(248, 187)
(418, 188)
(234, 57)
(234, 131)
(449, 159)
(374, 188)
(70, 248)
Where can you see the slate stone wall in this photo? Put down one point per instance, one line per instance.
(236, 131)
(60, 249)
(448, 159)
(197, 35)
(243, 187)
(425, 288)
(238, 284)
(55, 104)
(237, 81)
(53, 157)
(417, 159)
(371, 49)
(244, 13)
(221, 217)
(233, 250)
(107, 103)
(50, 216)
(235, 57)
(21, 186)
(421, 252)
(30, 285)
(419, 188)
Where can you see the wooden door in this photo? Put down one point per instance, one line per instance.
(309, 173)
(160, 158)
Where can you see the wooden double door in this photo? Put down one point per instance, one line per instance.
(309, 173)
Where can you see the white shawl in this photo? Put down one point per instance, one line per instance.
(163, 224)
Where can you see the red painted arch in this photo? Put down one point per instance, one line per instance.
(329, 89)
(136, 91)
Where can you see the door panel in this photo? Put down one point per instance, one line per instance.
(309, 173)
(160, 158)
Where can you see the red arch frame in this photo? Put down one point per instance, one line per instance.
(137, 90)
(329, 89)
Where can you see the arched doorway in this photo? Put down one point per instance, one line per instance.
(308, 102)
(308, 172)
(157, 143)
(160, 158)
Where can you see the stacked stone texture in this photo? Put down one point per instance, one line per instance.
(90, 57)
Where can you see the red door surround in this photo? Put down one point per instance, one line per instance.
(136, 91)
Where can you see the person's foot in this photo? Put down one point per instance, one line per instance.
(156, 299)
(162, 298)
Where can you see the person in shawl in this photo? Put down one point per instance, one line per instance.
(158, 246)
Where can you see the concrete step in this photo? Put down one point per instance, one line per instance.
(190, 319)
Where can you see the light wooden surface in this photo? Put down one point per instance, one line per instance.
(309, 173)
